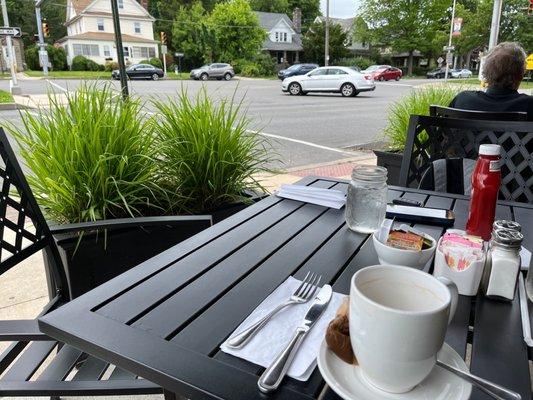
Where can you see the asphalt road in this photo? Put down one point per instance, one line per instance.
(304, 130)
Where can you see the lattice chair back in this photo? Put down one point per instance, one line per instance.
(449, 112)
(434, 138)
(23, 229)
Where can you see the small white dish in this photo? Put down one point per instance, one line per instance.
(348, 382)
(388, 255)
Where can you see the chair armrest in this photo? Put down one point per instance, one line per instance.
(130, 222)
(23, 330)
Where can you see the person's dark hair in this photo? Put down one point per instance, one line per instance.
(505, 66)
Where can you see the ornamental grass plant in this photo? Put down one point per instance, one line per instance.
(208, 155)
(91, 156)
(416, 102)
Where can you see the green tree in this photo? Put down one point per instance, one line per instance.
(237, 31)
(313, 43)
(22, 14)
(192, 34)
(277, 6)
(405, 25)
(56, 56)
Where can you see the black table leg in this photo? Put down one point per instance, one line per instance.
(172, 396)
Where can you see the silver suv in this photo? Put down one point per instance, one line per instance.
(216, 70)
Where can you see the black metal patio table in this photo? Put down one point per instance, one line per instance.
(165, 319)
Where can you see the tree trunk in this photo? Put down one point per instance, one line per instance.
(468, 56)
(410, 63)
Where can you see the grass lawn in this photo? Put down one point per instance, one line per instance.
(72, 74)
(5, 97)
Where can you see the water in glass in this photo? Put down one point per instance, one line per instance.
(366, 203)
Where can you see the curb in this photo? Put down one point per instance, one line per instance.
(8, 106)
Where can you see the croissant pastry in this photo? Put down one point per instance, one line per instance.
(338, 335)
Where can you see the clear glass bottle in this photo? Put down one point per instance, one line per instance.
(366, 202)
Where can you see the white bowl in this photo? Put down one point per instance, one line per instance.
(388, 255)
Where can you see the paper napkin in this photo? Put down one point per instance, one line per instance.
(263, 348)
(323, 197)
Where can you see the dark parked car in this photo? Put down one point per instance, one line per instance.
(436, 73)
(140, 71)
(296, 69)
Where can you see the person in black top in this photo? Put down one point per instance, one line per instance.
(503, 71)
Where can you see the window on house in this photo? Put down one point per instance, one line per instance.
(107, 51)
(100, 23)
(284, 36)
(277, 36)
(120, 3)
(143, 52)
(126, 51)
(137, 27)
(86, 50)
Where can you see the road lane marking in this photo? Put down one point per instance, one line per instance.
(317, 146)
(56, 85)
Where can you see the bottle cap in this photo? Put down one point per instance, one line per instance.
(490, 150)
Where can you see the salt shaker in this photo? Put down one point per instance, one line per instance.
(503, 264)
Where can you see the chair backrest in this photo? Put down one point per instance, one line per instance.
(434, 138)
(17, 207)
(449, 112)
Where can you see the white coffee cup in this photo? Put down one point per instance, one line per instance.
(398, 320)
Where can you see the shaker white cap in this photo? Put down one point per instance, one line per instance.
(490, 150)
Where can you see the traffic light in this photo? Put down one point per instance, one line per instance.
(163, 37)
(46, 29)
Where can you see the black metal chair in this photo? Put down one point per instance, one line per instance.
(61, 369)
(434, 138)
(449, 112)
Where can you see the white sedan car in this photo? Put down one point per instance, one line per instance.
(461, 73)
(343, 80)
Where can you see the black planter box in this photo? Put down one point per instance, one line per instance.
(393, 163)
(101, 256)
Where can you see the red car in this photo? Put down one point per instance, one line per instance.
(386, 73)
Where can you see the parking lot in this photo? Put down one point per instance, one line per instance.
(304, 130)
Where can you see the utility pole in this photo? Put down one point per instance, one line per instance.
(326, 44)
(120, 50)
(495, 24)
(449, 51)
(43, 54)
(13, 84)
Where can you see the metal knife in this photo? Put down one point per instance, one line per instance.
(275, 373)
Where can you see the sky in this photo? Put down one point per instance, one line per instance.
(340, 8)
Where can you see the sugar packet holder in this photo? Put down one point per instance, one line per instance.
(466, 280)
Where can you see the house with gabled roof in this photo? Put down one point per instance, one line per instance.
(283, 40)
(347, 26)
(90, 31)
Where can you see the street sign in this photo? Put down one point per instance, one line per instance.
(448, 48)
(179, 55)
(440, 60)
(43, 58)
(449, 58)
(164, 49)
(529, 61)
(10, 31)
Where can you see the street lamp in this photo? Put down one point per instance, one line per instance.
(326, 44)
(449, 49)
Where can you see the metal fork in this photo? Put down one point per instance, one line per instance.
(301, 295)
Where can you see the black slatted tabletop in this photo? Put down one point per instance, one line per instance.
(165, 319)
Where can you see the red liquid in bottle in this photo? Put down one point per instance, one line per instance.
(486, 180)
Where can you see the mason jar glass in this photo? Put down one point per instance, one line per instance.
(366, 202)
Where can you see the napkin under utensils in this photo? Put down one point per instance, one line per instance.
(323, 197)
(263, 348)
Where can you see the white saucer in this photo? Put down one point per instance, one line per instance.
(346, 380)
